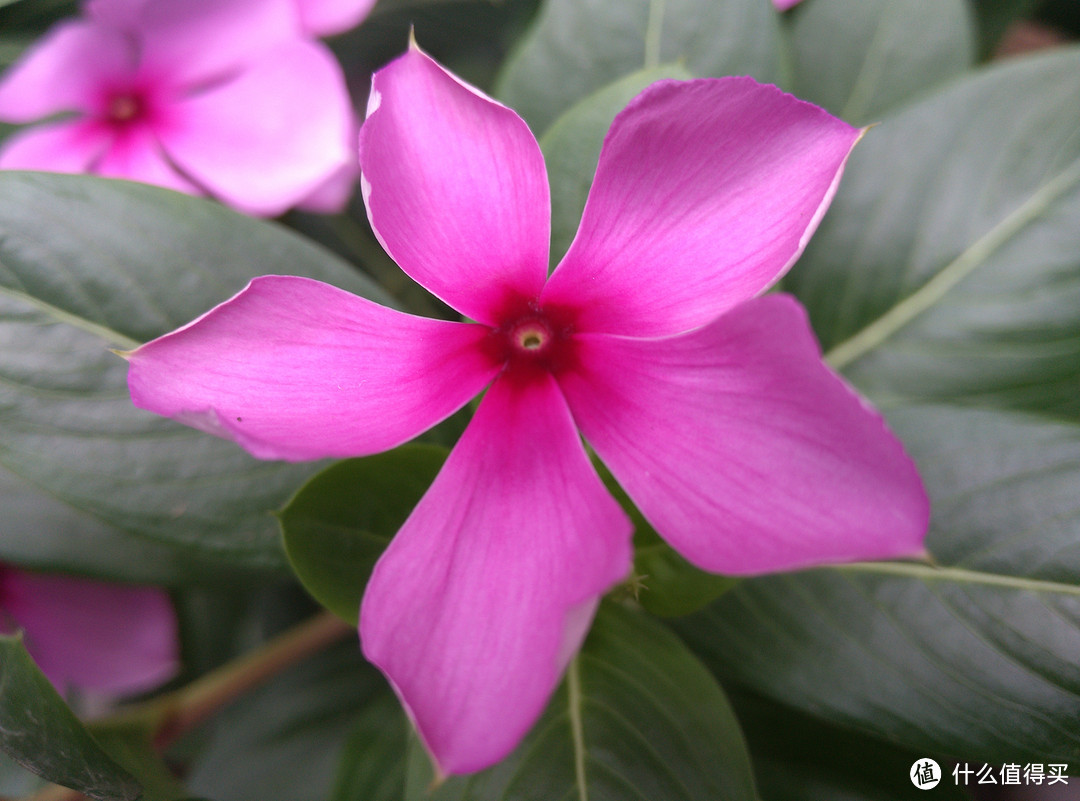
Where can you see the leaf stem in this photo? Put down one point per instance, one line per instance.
(184, 709)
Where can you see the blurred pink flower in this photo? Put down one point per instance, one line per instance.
(91, 635)
(313, 17)
(709, 404)
(217, 97)
(784, 5)
(327, 17)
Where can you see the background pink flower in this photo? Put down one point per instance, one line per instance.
(327, 17)
(710, 405)
(91, 635)
(218, 97)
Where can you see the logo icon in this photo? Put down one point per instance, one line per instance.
(925, 774)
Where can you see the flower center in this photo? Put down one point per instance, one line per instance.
(531, 336)
(125, 107)
(534, 339)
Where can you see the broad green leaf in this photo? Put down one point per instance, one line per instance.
(341, 521)
(948, 268)
(87, 264)
(285, 740)
(372, 766)
(571, 148)
(38, 731)
(637, 717)
(975, 659)
(575, 47)
(799, 758)
(858, 58)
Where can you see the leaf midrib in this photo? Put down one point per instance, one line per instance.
(974, 256)
(960, 575)
(577, 731)
(62, 316)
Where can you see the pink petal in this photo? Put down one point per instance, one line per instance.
(270, 137)
(295, 369)
(67, 70)
(119, 13)
(743, 450)
(325, 17)
(784, 5)
(331, 196)
(706, 193)
(455, 188)
(136, 156)
(195, 41)
(93, 635)
(486, 592)
(72, 147)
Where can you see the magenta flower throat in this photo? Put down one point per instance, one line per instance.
(707, 401)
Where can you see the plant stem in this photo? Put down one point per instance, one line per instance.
(176, 713)
(184, 709)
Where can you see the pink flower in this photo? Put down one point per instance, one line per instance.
(327, 17)
(709, 404)
(784, 5)
(313, 17)
(91, 635)
(218, 97)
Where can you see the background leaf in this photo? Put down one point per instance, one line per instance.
(341, 521)
(858, 58)
(285, 740)
(799, 758)
(653, 724)
(575, 47)
(131, 745)
(152, 500)
(948, 268)
(372, 766)
(976, 659)
(39, 731)
(572, 145)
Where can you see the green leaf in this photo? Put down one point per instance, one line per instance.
(577, 46)
(663, 583)
(799, 758)
(341, 521)
(372, 764)
(87, 264)
(572, 144)
(668, 585)
(285, 740)
(975, 659)
(858, 58)
(948, 268)
(637, 717)
(38, 731)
